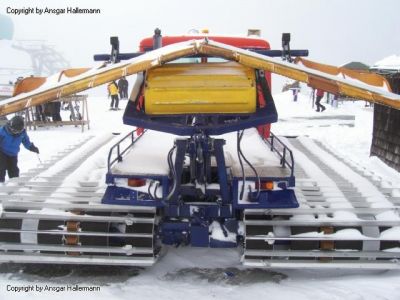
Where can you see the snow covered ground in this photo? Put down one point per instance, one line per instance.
(193, 273)
(346, 129)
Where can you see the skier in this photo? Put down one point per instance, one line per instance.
(57, 111)
(320, 95)
(113, 92)
(126, 85)
(11, 137)
(295, 91)
(123, 88)
(39, 113)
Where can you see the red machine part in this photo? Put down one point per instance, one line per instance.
(240, 42)
(264, 130)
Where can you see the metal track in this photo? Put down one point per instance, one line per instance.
(104, 234)
(45, 220)
(41, 258)
(316, 235)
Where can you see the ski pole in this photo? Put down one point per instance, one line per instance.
(40, 161)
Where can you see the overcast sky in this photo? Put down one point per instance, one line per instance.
(334, 31)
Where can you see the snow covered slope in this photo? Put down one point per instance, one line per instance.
(193, 273)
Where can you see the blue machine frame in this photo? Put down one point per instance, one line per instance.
(186, 212)
(189, 222)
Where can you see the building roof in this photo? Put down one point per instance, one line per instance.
(356, 65)
(390, 63)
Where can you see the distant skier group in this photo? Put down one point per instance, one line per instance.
(43, 112)
(115, 89)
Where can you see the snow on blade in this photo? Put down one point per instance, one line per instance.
(307, 75)
(95, 77)
(159, 56)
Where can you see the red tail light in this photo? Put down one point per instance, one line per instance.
(135, 182)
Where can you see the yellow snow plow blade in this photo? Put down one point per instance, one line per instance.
(49, 91)
(200, 88)
(362, 76)
(67, 84)
(314, 78)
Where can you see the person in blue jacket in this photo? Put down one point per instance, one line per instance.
(11, 137)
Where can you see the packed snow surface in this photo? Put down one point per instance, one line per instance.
(196, 273)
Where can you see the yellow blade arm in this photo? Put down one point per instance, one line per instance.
(95, 77)
(91, 78)
(365, 77)
(330, 83)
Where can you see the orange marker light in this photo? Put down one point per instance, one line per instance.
(267, 185)
(135, 182)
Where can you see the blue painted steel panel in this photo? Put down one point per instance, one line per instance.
(269, 200)
(170, 124)
(175, 233)
(199, 236)
(221, 244)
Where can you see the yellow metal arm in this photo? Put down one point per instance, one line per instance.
(95, 77)
(315, 78)
(156, 58)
